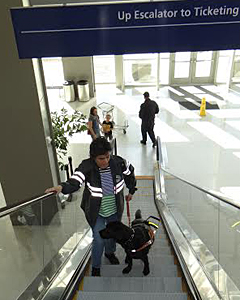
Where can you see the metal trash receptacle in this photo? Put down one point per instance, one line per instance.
(83, 90)
(68, 88)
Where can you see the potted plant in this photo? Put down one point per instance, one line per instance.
(64, 126)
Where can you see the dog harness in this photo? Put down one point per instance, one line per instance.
(151, 234)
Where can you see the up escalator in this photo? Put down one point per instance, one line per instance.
(163, 281)
(46, 248)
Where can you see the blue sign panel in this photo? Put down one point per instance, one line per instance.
(86, 30)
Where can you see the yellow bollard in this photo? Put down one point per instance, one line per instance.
(203, 108)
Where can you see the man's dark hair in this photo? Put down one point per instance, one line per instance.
(146, 94)
(99, 146)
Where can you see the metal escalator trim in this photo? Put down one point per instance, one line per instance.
(193, 271)
(80, 287)
(143, 177)
(182, 263)
(75, 296)
(227, 287)
(64, 284)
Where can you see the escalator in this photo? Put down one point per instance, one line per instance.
(163, 281)
(195, 255)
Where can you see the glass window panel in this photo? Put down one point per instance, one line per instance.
(53, 71)
(236, 58)
(223, 65)
(104, 69)
(225, 52)
(229, 243)
(140, 56)
(212, 229)
(164, 71)
(182, 56)
(237, 52)
(36, 241)
(21, 250)
(205, 55)
(128, 72)
(140, 71)
(181, 69)
(164, 55)
(203, 68)
(197, 214)
(236, 72)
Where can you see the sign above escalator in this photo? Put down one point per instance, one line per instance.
(86, 30)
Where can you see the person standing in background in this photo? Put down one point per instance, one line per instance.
(147, 112)
(94, 123)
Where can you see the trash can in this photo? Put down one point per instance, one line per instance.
(83, 90)
(68, 88)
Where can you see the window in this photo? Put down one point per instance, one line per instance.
(104, 69)
(53, 71)
(140, 68)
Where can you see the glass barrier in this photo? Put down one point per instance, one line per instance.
(212, 228)
(35, 242)
(229, 242)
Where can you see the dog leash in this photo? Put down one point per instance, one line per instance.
(128, 213)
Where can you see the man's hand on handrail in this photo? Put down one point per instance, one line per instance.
(54, 189)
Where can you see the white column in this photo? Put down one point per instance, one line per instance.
(119, 72)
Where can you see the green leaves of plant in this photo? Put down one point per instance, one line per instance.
(65, 126)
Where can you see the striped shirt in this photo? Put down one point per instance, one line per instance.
(108, 205)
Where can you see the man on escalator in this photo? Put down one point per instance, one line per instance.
(103, 199)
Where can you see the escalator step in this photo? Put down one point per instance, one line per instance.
(156, 259)
(160, 242)
(155, 271)
(130, 296)
(138, 284)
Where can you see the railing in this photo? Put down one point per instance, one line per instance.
(113, 143)
(161, 164)
(210, 224)
(7, 210)
(37, 238)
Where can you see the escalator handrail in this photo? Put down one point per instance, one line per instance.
(221, 198)
(113, 143)
(6, 210)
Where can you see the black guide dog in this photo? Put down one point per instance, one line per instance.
(136, 240)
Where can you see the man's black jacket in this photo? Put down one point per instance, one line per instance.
(147, 112)
(88, 173)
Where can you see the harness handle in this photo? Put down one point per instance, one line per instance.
(128, 213)
(153, 218)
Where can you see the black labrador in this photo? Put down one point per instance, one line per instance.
(136, 240)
